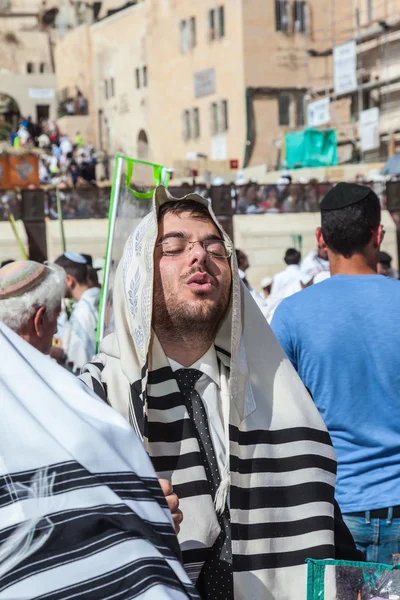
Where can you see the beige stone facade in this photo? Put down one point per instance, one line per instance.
(188, 79)
(174, 80)
(26, 65)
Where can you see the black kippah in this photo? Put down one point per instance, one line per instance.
(344, 194)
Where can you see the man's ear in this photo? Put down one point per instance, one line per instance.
(39, 321)
(70, 280)
(319, 237)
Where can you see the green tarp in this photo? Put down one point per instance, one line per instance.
(311, 148)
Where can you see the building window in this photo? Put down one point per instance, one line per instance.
(370, 10)
(42, 68)
(137, 75)
(300, 16)
(106, 88)
(281, 15)
(224, 116)
(221, 22)
(216, 23)
(192, 28)
(284, 101)
(30, 68)
(214, 119)
(112, 88)
(300, 111)
(196, 123)
(187, 134)
(184, 36)
(145, 80)
(212, 33)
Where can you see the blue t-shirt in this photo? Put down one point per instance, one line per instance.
(343, 338)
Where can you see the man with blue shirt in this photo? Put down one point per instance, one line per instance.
(342, 339)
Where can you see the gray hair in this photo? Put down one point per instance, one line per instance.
(15, 312)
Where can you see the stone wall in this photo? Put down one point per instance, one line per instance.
(263, 237)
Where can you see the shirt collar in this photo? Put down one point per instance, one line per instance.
(207, 364)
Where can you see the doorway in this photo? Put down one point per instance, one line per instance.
(42, 112)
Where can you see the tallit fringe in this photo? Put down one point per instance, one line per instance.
(20, 545)
(222, 494)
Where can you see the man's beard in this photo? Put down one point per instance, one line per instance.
(200, 318)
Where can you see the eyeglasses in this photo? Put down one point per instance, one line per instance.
(177, 246)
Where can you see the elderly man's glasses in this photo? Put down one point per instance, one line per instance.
(177, 246)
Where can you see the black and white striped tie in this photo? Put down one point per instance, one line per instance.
(216, 578)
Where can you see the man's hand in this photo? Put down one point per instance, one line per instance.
(173, 503)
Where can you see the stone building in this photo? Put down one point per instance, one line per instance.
(206, 86)
(27, 78)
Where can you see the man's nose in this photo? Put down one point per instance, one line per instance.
(197, 252)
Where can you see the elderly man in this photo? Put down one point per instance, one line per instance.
(81, 512)
(30, 301)
(222, 413)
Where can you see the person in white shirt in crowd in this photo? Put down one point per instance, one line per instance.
(78, 340)
(305, 281)
(30, 301)
(289, 275)
(266, 286)
(316, 261)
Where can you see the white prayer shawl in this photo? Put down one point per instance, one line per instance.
(79, 333)
(284, 278)
(280, 468)
(81, 511)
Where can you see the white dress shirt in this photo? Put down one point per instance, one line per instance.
(284, 278)
(208, 386)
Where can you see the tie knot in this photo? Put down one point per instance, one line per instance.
(187, 378)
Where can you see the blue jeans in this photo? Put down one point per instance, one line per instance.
(379, 539)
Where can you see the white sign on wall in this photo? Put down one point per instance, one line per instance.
(345, 68)
(204, 83)
(219, 147)
(41, 93)
(369, 129)
(318, 112)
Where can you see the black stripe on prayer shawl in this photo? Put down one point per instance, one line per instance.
(256, 531)
(74, 517)
(192, 489)
(282, 465)
(280, 497)
(69, 540)
(98, 389)
(137, 576)
(72, 476)
(136, 406)
(224, 352)
(177, 462)
(280, 560)
(279, 436)
(98, 366)
(176, 431)
(161, 375)
(165, 402)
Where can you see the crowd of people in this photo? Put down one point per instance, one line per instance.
(62, 159)
(285, 196)
(267, 445)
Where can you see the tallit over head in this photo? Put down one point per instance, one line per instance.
(279, 472)
(81, 512)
